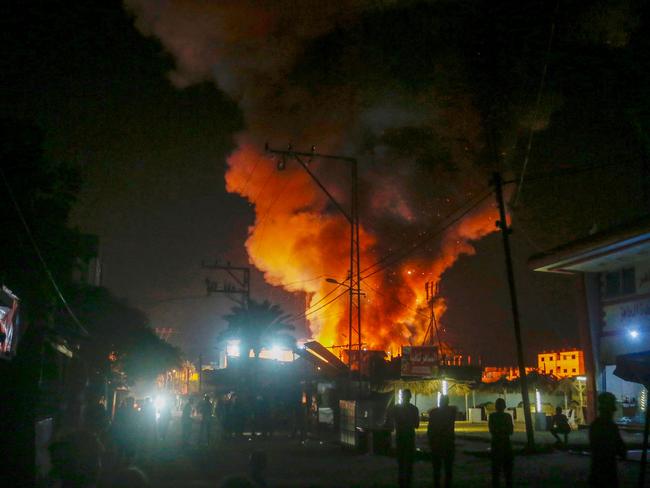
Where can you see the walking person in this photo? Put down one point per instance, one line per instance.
(441, 435)
(405, 418)
(560, 426)
(501, 428)
(606, 444)
(186, 421)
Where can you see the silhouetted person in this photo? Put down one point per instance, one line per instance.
(205, 409)
(405, 419)
(164, 420)
(560, 426)
(76, 460)
(148, 423)
(257, 467)
(606, 444)
(186, 421)
(125, 427)
(501, 428)
(440, 433)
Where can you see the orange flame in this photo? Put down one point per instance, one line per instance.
(297, 244)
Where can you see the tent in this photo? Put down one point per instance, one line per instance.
(636, 368)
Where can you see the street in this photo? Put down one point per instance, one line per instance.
(325, 464)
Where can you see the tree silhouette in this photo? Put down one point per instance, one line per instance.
(261, 325)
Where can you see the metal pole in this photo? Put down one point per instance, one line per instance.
(505, 233)
(355, 213)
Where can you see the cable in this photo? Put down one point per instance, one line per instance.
(297, 282)
(303, 313)
(39, 254)
(306, 314)
(537, 102)
(566, 172)
(396, 300)
(421, 242)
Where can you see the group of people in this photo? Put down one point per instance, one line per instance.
(604, 438)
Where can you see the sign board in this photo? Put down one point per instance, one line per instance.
(620, 320)
(420, 360)
(8, 322)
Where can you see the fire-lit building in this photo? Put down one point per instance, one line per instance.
(495, 373)
(562, 364)
(613, 278)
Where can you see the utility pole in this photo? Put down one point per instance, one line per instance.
(352, 216)
(200, 373)
(502, 223)
(239, 274)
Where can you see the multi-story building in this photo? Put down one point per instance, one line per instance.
(562, 364)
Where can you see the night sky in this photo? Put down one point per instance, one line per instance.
(154, 154)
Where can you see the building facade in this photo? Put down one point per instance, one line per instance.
(612, 272)
(562, 364)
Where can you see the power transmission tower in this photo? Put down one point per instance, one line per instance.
(432, 294)
(237, 288)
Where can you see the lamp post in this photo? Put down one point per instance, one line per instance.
(352, 217)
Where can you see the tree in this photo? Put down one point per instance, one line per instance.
(120, 338)
(261, 325)
(42, 193)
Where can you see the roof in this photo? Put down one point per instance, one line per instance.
(610, 249)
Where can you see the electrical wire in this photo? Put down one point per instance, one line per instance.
(538, 100)
(39, 254)
(392, 259)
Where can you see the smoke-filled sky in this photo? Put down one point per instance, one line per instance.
(167, 105)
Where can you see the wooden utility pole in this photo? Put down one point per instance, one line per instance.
(502, 223)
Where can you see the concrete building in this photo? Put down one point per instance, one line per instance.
(562, 364)
(612, 272)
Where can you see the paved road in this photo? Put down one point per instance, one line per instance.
(324, 464)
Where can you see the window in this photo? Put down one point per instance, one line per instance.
(620, 282)
(565, 370)
(629, 281)
(542, 358)
(573, 370)
(558, 369)
(612, 284)
(573, 356)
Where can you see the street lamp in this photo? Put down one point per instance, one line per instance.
(352, 216)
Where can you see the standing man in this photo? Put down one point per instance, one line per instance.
(606, 444)
(205, 409)
(405, 419)
(186, 421)
(501, 428)
(440, 433)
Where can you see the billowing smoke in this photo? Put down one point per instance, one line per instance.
(364, 78)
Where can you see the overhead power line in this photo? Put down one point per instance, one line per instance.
(394, 258)
(39, 254)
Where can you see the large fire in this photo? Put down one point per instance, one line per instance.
(298, 244)
(348, 77)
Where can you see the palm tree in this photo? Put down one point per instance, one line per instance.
(258, 326)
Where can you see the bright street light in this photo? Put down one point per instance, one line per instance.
(634, 334)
